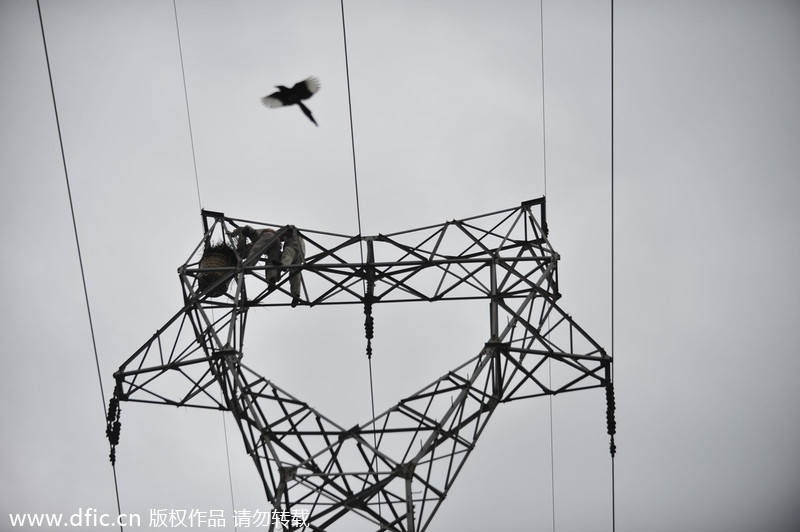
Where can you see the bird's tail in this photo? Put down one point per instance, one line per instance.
(307, 112)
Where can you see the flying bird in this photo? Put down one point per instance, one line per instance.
(294, 96)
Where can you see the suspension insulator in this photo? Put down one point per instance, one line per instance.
(369, 322)
(610, 417)
(113, 407)
(369, 326)
(113, 426)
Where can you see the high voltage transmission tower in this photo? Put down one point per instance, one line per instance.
(396, 469)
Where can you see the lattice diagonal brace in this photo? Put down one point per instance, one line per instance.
(396, 469)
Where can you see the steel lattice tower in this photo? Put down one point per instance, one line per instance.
(394, 470)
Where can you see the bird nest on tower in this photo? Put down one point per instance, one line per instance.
(215, 257)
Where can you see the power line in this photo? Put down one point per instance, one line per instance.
(612, 183)
(186, 99)
(549, 361)
(613, 352)
(355, 170)
(228, 456)
(200, 205)
(368, 323)
(544, 123)
(355, 174)
(77, 240)
(352, 132)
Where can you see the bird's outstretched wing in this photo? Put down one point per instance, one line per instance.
(273, 100)
(306, 88)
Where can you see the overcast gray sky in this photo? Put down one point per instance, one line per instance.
(447, 109)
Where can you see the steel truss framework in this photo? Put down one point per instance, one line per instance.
(394, 470)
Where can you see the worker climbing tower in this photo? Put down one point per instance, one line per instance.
(394, 470)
